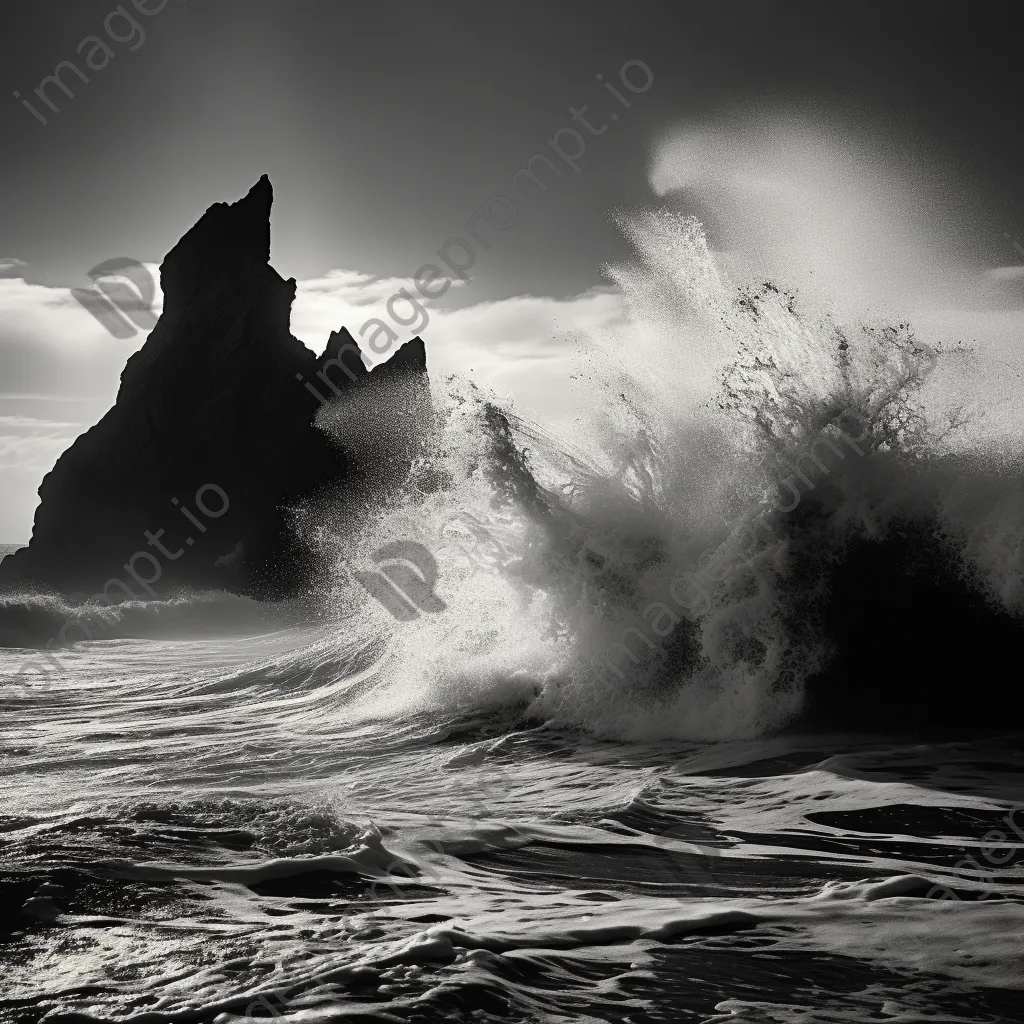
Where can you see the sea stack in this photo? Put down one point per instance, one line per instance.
(214, 435)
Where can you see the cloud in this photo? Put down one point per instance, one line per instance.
(33, 443)
(351, 298)
(523, 347)
(496, 339)
(34, 424)
(52, 319)
(29, 446)
(358, 289)
(519, 345)
(25, 396)
(37, 452)
(9, 265)
(53, 350)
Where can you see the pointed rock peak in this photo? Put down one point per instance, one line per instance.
(341, 361)
(262, 187)
(229, 240)
(254, 208)
(338, 342)
(411, 358)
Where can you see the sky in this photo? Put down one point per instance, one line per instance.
(871, 154)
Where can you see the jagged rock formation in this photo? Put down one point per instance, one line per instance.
(218, 408)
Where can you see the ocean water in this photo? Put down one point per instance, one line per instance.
(618, 761)
(203, 830)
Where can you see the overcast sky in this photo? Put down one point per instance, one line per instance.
(874, 152)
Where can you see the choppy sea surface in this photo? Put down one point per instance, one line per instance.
(210, 829)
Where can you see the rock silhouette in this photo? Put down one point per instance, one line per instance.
(214, 435)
